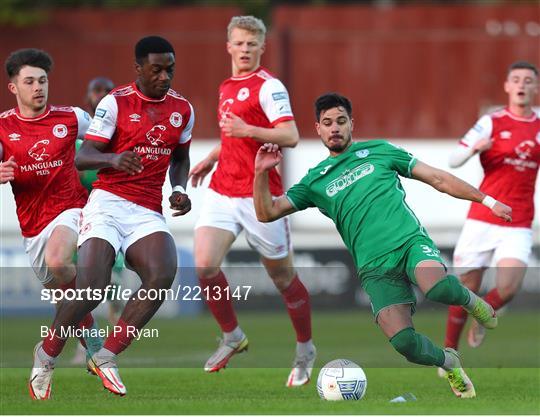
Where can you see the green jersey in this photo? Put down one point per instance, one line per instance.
(87, 177)
(361, 192)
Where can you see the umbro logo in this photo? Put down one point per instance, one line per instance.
(505, 134)
(14, 136)
(135, 117)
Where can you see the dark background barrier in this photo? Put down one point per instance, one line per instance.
(416, 71)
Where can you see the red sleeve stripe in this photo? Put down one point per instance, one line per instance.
(96, 138)
(282, 119)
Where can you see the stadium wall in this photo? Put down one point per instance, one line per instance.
(417, 71)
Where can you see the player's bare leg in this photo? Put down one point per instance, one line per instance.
(59, 251)
(296, 297)
(70, 313)
(508, 281)
(211, 245)
(154, 259)
(396, 323)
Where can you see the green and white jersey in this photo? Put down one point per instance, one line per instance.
(361, 192)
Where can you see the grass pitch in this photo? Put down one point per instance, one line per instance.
(165, 376)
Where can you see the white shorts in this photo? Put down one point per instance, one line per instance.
(118, 221)
(271, 240)
(35, 246)
(484, 244)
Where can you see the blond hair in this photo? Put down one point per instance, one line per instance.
(250, 23)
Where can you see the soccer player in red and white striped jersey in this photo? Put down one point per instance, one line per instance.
(37, 150)
(508, 141)
(253, 108)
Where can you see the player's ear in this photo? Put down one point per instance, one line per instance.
(229, 47)
(352, 124)
(263, 47)
(12, 88)
(318, 128)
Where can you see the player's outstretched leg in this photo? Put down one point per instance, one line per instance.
(40, 382)
(396, 323)
(448, 290)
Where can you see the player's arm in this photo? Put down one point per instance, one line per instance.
(283, 134)
(267, 208)
(179, 170)
(93, 155)
(203, 168)
(449, 184)
(178, 174)
(476, 140)
(7, 168)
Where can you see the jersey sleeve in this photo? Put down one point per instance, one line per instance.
(83, 121)
(299, 195)
(104, 122)
(185, 137)
(481, 130)
(274, 101)
(401, 161)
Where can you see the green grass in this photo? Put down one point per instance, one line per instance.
(165, 376)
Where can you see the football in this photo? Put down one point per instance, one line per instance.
(341, 379)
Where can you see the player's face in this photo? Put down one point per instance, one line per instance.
(335, 129)
(31, 87)
(156, 74)
(246, 49)
(521, 87)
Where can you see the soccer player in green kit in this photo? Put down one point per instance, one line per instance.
(358, 187)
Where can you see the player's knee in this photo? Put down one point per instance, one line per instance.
(55, 259)
(447, 290)
(405, 342)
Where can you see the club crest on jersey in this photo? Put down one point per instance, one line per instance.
(175, 119)
(505, 134)
(134, 117)
(39, 150)
(524, 149)
(362, 154)
(243, 94)
(60, 131)
(154, 135)
(14, 136)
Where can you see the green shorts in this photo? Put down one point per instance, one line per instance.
(388, 280)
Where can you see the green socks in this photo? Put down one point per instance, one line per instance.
(449, 291)
(417, 348)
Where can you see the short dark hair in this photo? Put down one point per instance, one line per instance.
(29, 56)
(329, 101)
(100, 83)
(523, 65)
(151, 45)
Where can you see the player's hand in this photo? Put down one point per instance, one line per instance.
(128, 161)
(7, 170)
(200, 171)
(268, 156)
(180, 202)
(234, 126)
(483, 145)
(503, 211)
